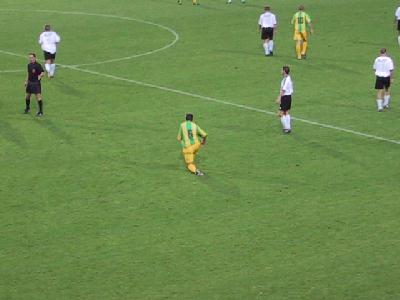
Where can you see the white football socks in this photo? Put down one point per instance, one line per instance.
(271, 46)
(47, 67)
(286, 122)
(283, 121)
(386, 100)
(398, 39)
(52, 69)
(266, 48)
(379, 104)
(288, 125)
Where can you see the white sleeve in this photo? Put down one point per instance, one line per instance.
(259, 20)
(374, 67)
(275, 22)
(286, 84)
(57, 38)
(40, 39)
(397, 14)
(391, 65)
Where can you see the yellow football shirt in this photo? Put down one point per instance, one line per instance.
(300, 21)
(189, 133)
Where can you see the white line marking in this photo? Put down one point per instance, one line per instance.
(12, 71)
(173, 32)
(375, 137)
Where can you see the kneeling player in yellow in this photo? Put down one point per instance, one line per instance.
(189, 134)
(300, 21)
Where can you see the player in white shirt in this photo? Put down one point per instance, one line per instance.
(48, 40)
(267, 25)
(230, 1)
(383, 67)
(285, 100)
(397, 20)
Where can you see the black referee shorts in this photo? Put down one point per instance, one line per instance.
(48, 55)
(34, 88)
(382, 83)
(267, 33)
(286, 103)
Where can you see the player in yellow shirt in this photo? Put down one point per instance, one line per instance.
(300, 20)
(189, 135)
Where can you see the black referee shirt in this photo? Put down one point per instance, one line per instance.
(34, 70)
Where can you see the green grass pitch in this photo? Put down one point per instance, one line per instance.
(95, 200)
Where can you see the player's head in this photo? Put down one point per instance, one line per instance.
(383, 51)
(267, 8)
(189, 117)
(47, 27)
(301, 7)
(285, 70)
(32, 57)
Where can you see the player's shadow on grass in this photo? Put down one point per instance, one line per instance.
(329, 151)
(68, 89)
(54, 129)
(12, 135)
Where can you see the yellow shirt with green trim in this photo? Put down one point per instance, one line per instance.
(189, 133)
(300, 21)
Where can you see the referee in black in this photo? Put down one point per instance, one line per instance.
(33, 85)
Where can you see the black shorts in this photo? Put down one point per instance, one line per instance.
(398, 25)
(48, 55)
(267, 33)
(286, 103)
(34, 88)
(382, 83)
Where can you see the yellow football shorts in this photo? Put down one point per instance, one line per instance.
(300, 36)
(189, 153)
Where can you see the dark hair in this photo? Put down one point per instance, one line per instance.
(301, 7)
(383, 51)
(47, 27)
(267, 8)
(286, 69)
(189, 117)
(33, 54)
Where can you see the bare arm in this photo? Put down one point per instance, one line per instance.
(311, 27)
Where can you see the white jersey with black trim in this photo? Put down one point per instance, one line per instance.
(287, 85)
(48, 40)
(267, 20)
(383, 66)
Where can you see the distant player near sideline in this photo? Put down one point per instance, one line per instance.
(230, 1)
(194, 2)
(267, 25)
(32, 84)
(189, 135)
(300, 21)
(48, 40)
(397, 20)
(285, 100)
(383, 67)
